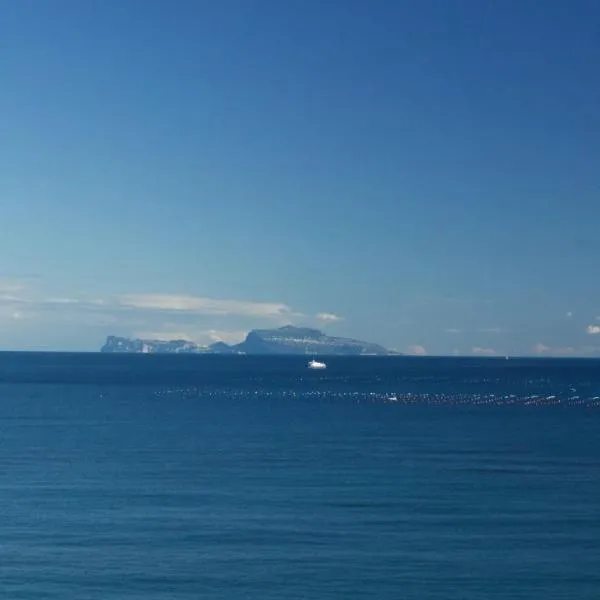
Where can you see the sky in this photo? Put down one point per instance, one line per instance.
(424, 175)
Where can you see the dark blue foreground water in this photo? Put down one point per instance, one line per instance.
(149, 477)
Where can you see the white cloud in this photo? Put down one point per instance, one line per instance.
(159, 316)
(328, 317)
(164, 336)
(593, 329)
(544, 350)
(17, 294)
(202, 337)
(455, 330)
(479, 351)
(12, 306)
(229, 337)
(11, 286)
(62, 301)
(417, 350)
(203, 305)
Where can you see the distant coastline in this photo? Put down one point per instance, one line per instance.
(284, 340)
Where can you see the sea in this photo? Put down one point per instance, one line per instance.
(162, 477)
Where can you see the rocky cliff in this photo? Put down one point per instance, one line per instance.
(285, 340)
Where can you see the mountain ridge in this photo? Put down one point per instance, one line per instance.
(283, 340)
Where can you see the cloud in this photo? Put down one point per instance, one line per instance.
(417, 350)
(203, 305)
(479, 351)
(62, 301)
(202, 337)
(153, 315)
(569, 314)
(593, 329)
(11, 286)
(540, 348)
(12, 306)
(328, 317)
(164, 336)
(229, 337)
(544, 350)
(455, 330)
(15, 294)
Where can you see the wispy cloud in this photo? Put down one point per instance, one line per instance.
(12, 314)
(19, 295)
(328, 317)
(543, 350)
(12, 303)
(457, 330)
(157, 315)
(11, 286)
(479, 351)
(593, 329)
(203, 305)
(417, 350)
(200, 336)
(540, 348)
(163, 335)
(229, 337)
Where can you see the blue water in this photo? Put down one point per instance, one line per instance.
(167, 477)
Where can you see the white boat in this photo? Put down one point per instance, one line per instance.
(315, 364)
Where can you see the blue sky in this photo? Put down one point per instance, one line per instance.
(420, 174)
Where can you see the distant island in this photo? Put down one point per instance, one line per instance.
(284, 340)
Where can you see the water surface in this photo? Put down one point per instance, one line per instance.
(162, 477)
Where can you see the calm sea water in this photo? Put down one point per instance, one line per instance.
(166, 477)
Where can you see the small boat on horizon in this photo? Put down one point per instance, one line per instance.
(315, 364)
